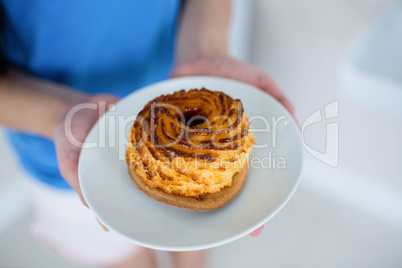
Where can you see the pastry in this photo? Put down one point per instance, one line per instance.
(191, 149)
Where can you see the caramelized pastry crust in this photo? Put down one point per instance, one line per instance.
(190, 143)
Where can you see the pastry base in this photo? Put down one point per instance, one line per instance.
(210, 202)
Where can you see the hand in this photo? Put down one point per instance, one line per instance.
(228, 67)
(81, 124)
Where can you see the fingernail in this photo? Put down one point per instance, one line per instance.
(256, 232)
(103, 226)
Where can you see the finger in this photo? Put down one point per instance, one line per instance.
(107, 99)
(256, 232)
(67, 156)
(268, 85)
(103, 226)
(184, 70)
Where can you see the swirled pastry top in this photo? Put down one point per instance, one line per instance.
(190, 143)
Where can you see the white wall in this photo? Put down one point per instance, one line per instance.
(303, 45)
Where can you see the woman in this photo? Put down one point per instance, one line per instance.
(57, 54)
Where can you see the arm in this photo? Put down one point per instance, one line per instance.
(37, 106)
(203, 29)
(33, 105)
(202, 48)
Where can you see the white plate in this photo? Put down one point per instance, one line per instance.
(122, 208)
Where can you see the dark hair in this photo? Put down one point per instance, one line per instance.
(3, 61)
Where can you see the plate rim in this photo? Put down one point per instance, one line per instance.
(207, 245)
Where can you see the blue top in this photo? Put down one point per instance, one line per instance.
(91, 45)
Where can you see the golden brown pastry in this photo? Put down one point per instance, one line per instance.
(191, 149)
